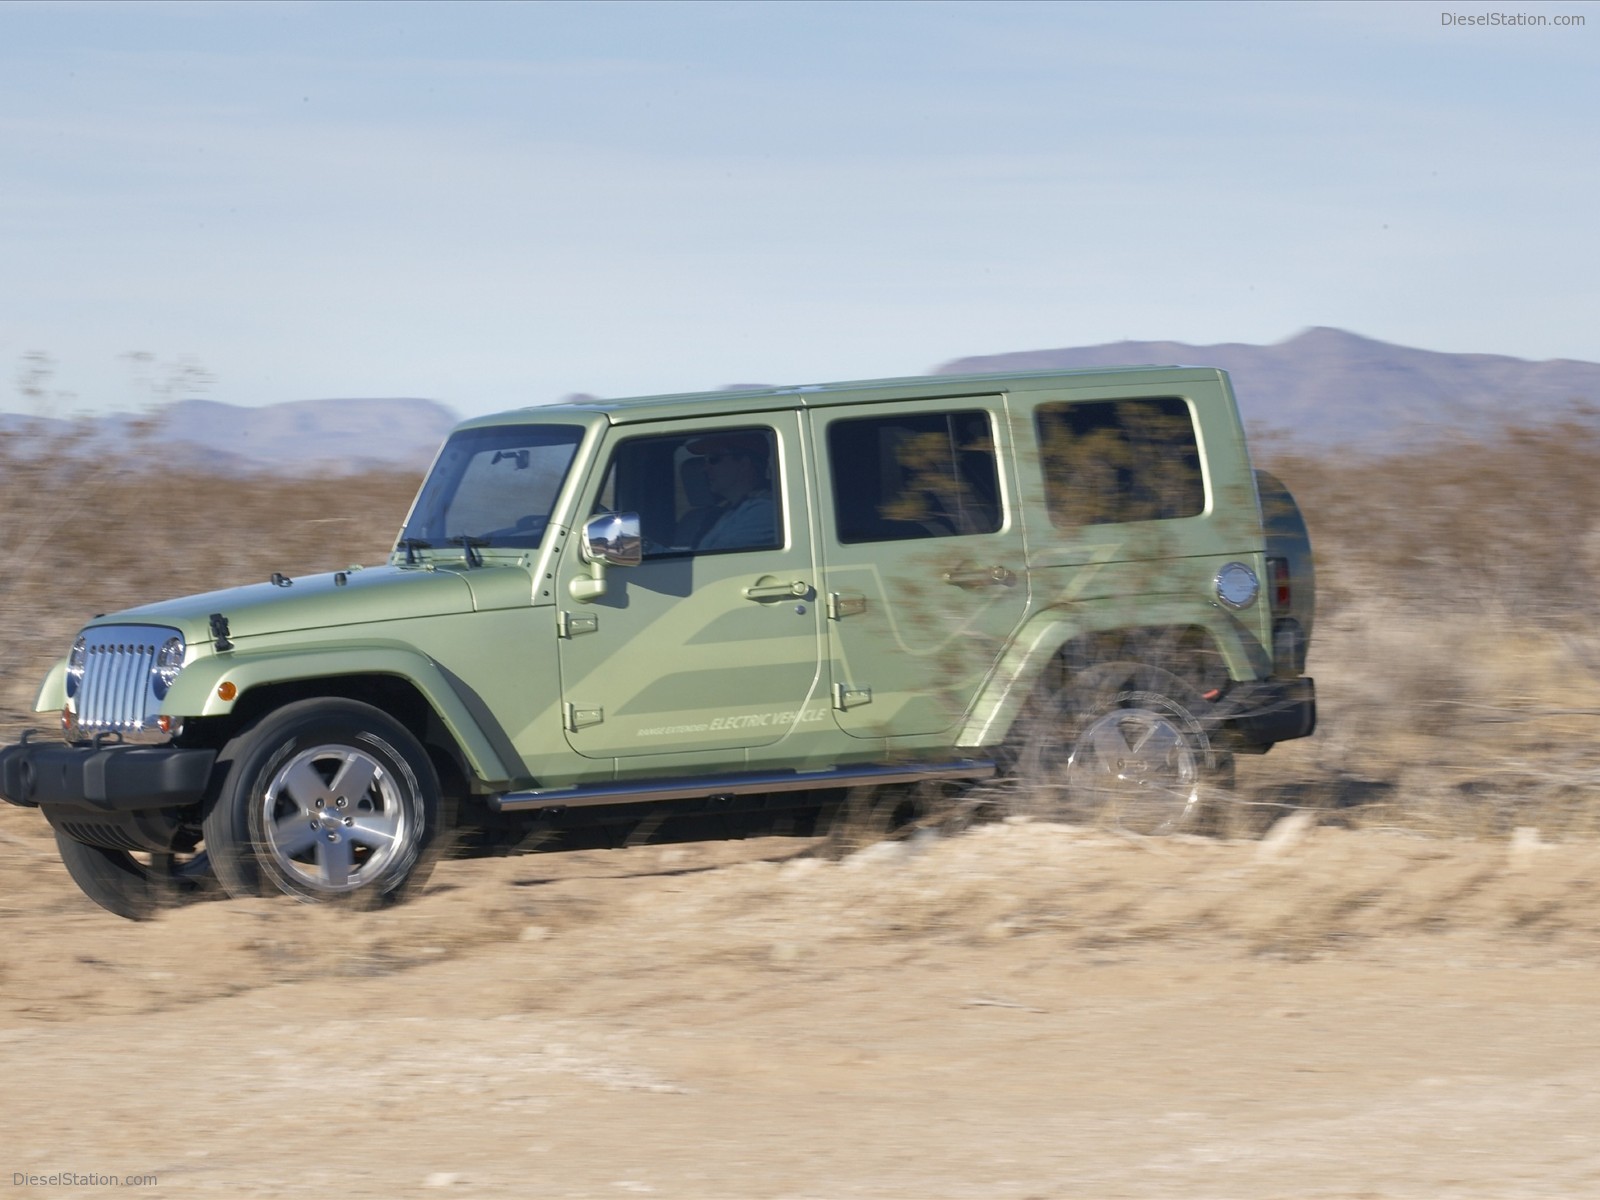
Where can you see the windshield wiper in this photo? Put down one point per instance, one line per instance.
(411, 546)
(469, 548)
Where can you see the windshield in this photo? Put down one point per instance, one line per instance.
(492, 487)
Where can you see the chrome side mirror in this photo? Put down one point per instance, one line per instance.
(609, 540)
(613, 539)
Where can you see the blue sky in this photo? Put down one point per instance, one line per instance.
(496, 205)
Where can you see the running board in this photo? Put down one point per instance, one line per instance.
(705, 786)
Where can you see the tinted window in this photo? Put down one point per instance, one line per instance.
(1111, 461)
(698, 493)
(924, 475)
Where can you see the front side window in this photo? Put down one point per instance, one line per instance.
(1111, 461)
(493, 487)
(698, 493)
(913, 475)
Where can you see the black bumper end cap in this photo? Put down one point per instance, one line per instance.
(111, 778)
(1274, 710)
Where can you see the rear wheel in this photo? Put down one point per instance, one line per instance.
(1124, 745)
(325, 800)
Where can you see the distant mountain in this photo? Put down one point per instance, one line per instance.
(298, 437)
(1326, 385)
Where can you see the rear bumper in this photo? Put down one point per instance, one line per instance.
(1266, 711)
(104, 778)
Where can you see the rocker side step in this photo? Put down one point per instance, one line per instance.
(706, 786)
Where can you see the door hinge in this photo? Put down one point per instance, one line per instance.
(578, 718)
(846, 697)
(841, 605)
(570, 625)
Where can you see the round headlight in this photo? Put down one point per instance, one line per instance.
(1237, 585)
(75, 664)
(169, 661)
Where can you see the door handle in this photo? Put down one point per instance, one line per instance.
(976, 577)
(798, 590)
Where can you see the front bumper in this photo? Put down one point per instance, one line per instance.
(103, 778)
(1266, 711)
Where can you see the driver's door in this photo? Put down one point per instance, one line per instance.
(713, 642)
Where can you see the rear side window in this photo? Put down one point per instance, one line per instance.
(914, 475)
(1111, 461)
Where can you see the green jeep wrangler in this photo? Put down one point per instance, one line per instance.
(607, 616)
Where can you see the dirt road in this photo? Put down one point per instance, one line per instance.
(1028, 1010)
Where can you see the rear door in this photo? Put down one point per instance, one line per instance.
(924, 578)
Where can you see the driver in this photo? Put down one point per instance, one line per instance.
(736, 472)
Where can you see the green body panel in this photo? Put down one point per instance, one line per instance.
(1171, 554)
(918, 624)
(53, 690)
(547, 670)
(374, 594)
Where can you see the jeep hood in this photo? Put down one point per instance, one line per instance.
(372, 594)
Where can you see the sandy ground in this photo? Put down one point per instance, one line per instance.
(1028, 1010)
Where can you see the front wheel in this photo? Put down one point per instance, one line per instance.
(325, 799)
(1125, 745)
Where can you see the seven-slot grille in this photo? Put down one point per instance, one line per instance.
(117, 692)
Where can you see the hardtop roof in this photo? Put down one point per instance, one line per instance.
(816, 395)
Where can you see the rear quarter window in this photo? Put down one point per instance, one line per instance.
(1115, 461)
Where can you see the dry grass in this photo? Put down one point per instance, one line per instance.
(1457, 668)
(82, 534)
(1504, 530)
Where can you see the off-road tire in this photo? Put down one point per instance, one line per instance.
(1124, 745)
(325, 800)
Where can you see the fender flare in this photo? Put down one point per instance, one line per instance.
(1042, 637)
(195, 691)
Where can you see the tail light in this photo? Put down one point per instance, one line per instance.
(1282, 588)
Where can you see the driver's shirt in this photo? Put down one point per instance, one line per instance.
(749, 524)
